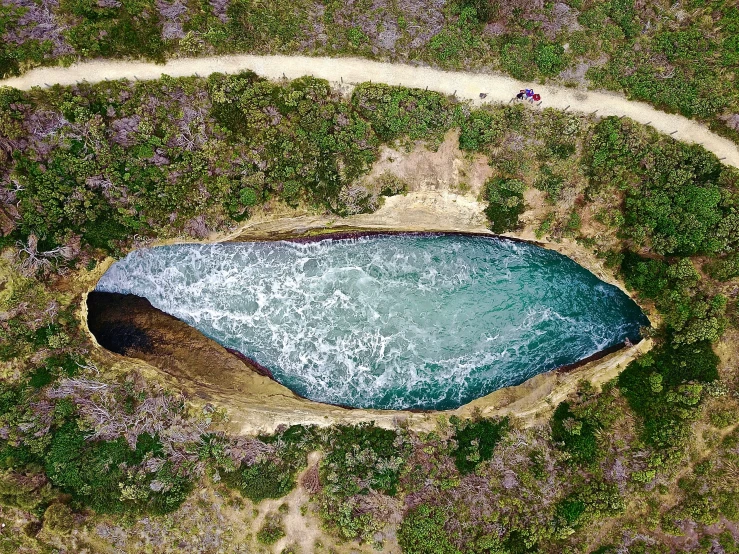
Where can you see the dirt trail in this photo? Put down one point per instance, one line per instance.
(467, 86)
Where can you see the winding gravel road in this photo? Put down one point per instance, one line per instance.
(467, 86)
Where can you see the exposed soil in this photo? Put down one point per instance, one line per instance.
(445, 169)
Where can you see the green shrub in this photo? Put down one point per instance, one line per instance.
(59, 518)
(505, 203)
(268, 479)
(690, 315)
(588, 502)
(550, 59)
(265, 26)
(362, 457)
(271, 531)
(391, 185)
(676, 204)
(133, 29)
(480, 130)
(728, 543)
(40, 378)
(487, 126)
(725, 268)
(54, 366)
(517, 58)
(476, 441)
(94, 473)
(601, 499)
(730, 44)
(485, 9)
(458, 40)
(624, 14)
(26, 490)
(359, 460)
(422, 532)
(10, 397)
(356, 37)
(667, 410)
(569, 510)
(573, 223)
(575, 435)
(723, 418)
(397, 112)
(273, 477)
(549, 182)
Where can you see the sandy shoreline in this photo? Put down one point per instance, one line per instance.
(343, 72)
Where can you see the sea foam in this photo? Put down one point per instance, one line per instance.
(392, 321)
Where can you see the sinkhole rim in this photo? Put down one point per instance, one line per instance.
(351, 233)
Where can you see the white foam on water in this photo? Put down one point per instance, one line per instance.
(387, 321)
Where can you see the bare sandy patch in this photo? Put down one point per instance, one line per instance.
(444, 169)
(301, 524)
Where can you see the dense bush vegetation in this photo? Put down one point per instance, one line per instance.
(97, 473)
(396, 112)
(115, 29)
(268, 479)
(576, 425)
(725, 268)
(576, 435)
(690, 313)
(678, 198)
(505, 203)
(273, 474)
(111, 476)
(103, 168)
(665, 387)
(422, 531)
(360, 462)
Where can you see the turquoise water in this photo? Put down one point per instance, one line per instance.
(391, 321)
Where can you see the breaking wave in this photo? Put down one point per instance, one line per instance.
(389, 321)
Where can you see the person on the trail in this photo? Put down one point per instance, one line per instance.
(528, 94)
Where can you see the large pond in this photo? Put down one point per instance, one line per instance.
(388, 321)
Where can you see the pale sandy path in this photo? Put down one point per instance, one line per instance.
(467, 86)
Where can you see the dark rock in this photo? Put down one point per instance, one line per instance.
(129, 325)
(122, 338)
